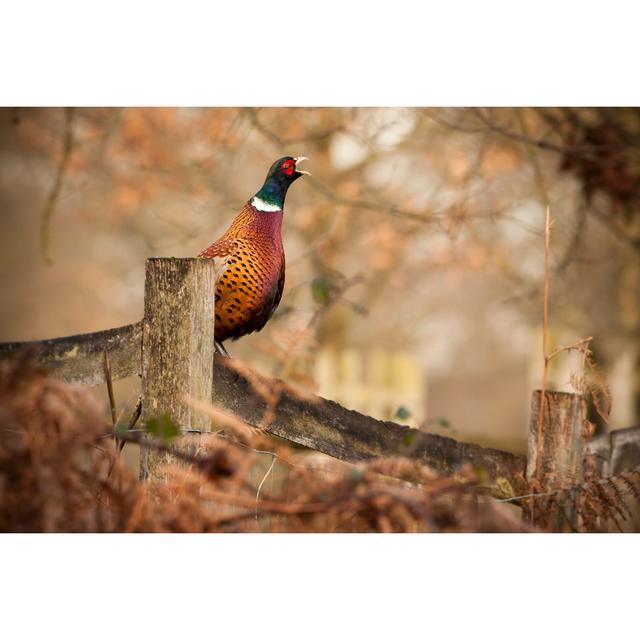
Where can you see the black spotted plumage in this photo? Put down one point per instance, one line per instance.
(250, 258)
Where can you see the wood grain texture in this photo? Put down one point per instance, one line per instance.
(563, 443)
(560, 461)
(80, 358)
(327, 427)
(617, 451)
(177, 343)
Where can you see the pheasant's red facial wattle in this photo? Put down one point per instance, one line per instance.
(288, 167)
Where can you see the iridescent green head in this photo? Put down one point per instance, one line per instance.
(281, 175)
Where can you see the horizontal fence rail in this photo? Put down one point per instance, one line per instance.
(177, 334)
(80, 358)
(311, 421)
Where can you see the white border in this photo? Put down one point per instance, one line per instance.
(330, 53)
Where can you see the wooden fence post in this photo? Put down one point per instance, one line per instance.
(561, 455)
(177, 344)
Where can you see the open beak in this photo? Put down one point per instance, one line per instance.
(298, 161)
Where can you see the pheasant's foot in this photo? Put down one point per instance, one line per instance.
(221, 350)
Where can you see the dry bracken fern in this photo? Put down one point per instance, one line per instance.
(59, 472)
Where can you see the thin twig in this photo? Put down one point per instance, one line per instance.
(617, 230)
(576, 240)
(133, 419)
(119, 442)
(281, 142)
(112, 400)
(532, 152)
(545, 330)
(50, 204)
(266, 475)
(585, 150)
(576, 346)
(600, 482)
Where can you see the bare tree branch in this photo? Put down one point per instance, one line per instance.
(50, 204)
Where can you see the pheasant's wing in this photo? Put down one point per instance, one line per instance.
(232, 310)
(228, 244)
(249, 279)
(220, 252)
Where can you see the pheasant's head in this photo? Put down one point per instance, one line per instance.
(282, 174)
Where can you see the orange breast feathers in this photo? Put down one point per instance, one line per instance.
(249, 280)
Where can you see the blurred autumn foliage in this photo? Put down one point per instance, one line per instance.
(419, 230)
(58, 474)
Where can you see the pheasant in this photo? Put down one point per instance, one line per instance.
(250, 259)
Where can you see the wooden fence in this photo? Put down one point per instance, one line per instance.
(172, 349)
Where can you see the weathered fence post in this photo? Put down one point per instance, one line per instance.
(177, 344)
(558, 462)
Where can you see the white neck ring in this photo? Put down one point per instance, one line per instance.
(261, 205)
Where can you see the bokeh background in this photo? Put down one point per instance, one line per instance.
(414, 251)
